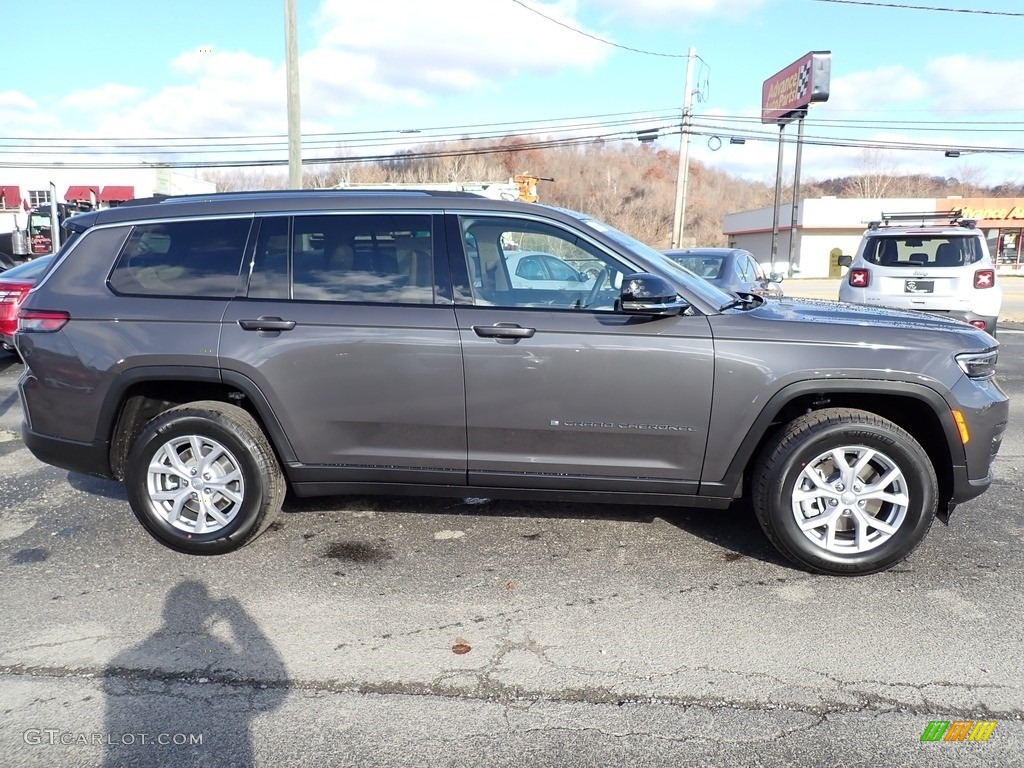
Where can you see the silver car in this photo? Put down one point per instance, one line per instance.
(732, 269)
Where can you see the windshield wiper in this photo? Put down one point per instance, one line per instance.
(742, 299)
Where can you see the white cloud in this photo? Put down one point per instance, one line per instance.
(647, 10)
(472, 41)
(104, 97)
(968, 84)
(863, 93)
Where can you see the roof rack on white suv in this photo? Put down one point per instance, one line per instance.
(953, 217)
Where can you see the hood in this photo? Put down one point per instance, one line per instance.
(821, 312)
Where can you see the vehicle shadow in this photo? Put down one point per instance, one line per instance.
(735, 530)
(179, 698)
(97, 486)
(9, 360)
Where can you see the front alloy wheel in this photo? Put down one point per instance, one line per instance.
(844, 492)
(850, 499)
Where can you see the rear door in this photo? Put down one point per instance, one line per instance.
(345, 331)
(562, 390)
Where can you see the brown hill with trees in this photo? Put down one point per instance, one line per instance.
(631, 186)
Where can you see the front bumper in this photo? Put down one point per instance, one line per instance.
(985, 409)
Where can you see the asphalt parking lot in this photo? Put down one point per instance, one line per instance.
(412, 632)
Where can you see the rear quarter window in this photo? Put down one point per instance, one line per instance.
(182, 258)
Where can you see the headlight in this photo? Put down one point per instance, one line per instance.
(978, 365)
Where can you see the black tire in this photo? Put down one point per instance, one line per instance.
(779, 485)
(244, 486)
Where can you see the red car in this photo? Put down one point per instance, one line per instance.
(15, 284)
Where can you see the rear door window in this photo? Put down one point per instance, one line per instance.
(351, 258)
(196, 258)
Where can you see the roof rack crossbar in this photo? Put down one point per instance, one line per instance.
(951, 216)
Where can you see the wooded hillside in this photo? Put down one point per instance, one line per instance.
(630, 186)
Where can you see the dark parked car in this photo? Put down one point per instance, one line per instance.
(212, 351)
(15, 283)
(7, 261)
(731, 269)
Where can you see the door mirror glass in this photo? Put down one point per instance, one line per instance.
(845, 260)
(646, 294)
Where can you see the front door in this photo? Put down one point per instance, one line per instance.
(562, 390)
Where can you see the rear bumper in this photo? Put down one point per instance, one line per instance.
(86, 458)
(969, 317)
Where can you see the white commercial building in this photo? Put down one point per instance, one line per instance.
(828, 226)
(24, 188)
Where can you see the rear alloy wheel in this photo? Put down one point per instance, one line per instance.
(203, 479)
(845, 492)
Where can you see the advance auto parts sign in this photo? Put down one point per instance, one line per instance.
(786, 93)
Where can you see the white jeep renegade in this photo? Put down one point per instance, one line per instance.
(941, 268)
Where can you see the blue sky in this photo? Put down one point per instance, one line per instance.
(193, 69)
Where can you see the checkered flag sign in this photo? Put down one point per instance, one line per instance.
(804, 80)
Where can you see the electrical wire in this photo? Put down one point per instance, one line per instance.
(905, 7)
(601, 39)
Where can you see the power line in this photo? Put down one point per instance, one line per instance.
(696, 130)
(901, 6)
(347, 136)
(600, 39)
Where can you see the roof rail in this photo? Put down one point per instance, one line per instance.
(317, 192)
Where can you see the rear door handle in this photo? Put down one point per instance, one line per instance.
(503, 331)
(267, 324)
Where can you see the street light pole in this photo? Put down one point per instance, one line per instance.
(291, 49)
(684, 154)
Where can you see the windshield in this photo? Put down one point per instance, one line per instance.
(707, 292)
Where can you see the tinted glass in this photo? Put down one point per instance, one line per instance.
(709, 267)
(182, 258)
(375, 258)
(922, 251)
(521, 263)
(269, 278)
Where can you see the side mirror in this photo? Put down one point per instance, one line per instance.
(646, 294)
(776, 277)
(845, 260)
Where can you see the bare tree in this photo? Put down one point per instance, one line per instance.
(876, 178)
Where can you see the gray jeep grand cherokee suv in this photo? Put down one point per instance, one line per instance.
(211, 352)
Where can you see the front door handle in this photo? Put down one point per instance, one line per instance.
(267, 324)
(503, 331)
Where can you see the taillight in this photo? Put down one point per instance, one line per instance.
(978, 324)
(984, 278)
(14, 293)
(41, 321)
(860, 278)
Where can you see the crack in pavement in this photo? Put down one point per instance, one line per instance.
(491, 691)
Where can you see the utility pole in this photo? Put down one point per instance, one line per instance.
(291, 49)
(54, 220)
(684, 154)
